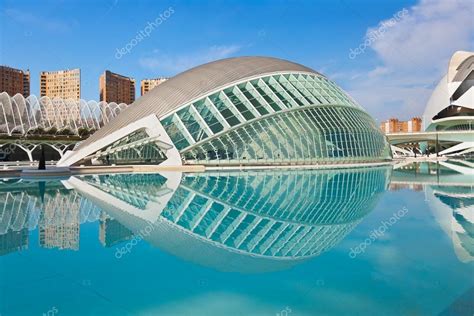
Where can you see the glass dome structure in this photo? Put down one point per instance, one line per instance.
(239, 111)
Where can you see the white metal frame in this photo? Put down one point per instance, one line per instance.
(153, 128)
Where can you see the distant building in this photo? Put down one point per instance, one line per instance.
(148, 84)
(116, 88)
(13, 81)
(64, 84)
(393, 125)
(60, 86)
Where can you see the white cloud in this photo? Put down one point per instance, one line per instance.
(162, 62)
(428, 35)
(412, 56)
(379, 71)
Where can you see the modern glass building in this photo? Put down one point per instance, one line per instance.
(237, 111)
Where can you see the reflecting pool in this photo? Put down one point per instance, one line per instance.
(367, 241)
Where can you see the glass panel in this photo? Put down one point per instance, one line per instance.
(206, 113)
(244, 110)
(191, 124)
(132, 149)
(267, 98)
(220, 104)
(276, 91)
(174, 133)
(256, 104)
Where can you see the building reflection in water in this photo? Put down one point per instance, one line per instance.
(59, 220)
(55, 211)
(12, 241)
(240, 221)
(449, 192)
(111, 231)
(236, 221)
(245, 221)
(453, 208)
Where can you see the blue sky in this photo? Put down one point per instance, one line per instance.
(392, 76)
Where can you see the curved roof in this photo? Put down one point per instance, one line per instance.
(195, 83)
(438, 101)
(459, 67)
(458, 61)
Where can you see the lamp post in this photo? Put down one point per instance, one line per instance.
(42, 160)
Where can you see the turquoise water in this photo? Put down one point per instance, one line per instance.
(368, 241)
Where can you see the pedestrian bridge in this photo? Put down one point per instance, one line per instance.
(442, 136)
(459, 142)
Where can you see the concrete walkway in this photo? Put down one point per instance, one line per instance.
(54, 172)
(320, 166)
(134, 169)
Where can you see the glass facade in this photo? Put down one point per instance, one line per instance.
(136, 148)
(290, 118)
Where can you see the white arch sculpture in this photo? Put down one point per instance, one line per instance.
(20, 116)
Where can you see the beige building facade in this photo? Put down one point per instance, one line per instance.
(61, 87)
(393, 125)
(64, 84)
(148, 84)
